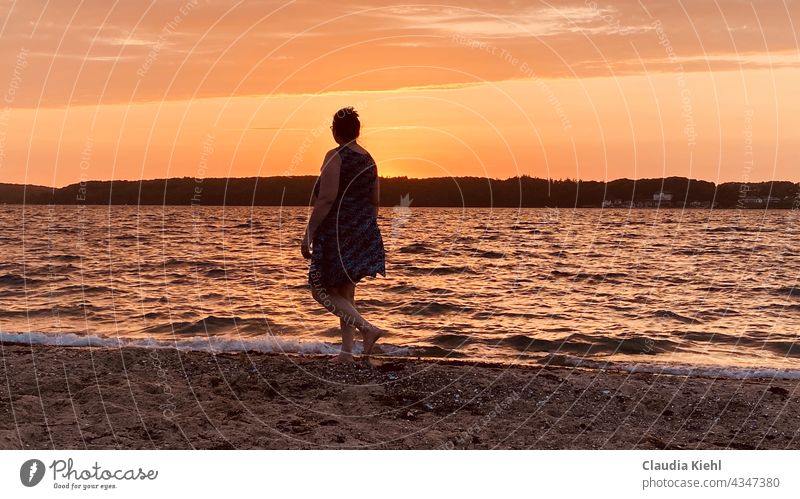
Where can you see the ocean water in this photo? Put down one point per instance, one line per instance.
(698, 291)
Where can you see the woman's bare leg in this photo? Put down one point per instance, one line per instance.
(348, 332)
(370, 336)
(339, 305)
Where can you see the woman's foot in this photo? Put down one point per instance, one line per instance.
(371, 362)
(343, 358)
(371, 336)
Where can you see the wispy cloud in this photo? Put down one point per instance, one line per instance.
(311, 47)
(532, 21)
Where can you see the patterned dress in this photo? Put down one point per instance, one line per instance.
(347, 245)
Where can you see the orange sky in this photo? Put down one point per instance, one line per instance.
(580, 89)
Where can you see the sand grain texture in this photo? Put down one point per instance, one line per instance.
(131, 398)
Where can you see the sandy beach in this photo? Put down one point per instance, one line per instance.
(132, 398)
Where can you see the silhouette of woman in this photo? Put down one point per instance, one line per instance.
(342, 237)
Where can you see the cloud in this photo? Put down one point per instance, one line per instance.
(265, 46)
(531, 21)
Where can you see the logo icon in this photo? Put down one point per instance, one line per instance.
(31, 472)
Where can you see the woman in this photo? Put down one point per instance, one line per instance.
(345, 241)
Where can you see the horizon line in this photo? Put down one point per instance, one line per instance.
(576, 180)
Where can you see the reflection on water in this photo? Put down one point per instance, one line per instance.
(693, 287)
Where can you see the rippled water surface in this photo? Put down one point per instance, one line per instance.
(710, 288)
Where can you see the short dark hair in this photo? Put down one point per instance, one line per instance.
(346, 125)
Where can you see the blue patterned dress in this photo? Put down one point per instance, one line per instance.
(347, 245)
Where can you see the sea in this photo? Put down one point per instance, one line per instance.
(683, 292)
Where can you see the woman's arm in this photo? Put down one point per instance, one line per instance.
(328, 190)
(376, 194)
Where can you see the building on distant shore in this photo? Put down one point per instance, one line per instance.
(759, 201)
(662, 199)
(616, 203)
(662, 196)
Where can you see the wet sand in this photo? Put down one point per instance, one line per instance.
(131, 398)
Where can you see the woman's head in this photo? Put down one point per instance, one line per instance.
(346, 126)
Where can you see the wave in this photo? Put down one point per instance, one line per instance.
(247, 224)
(713, 337)
(213, 344)
(781, 307)
(64, 258)
(491, 314)
(78, 310)
(442, 270)
(668, 314)
(788, 290)
(415, 248)
(211, 324)
(434, 351)
(403, 288)
(431, 308)
(17, 280)
(785, 348)
(591, 345)
(718, 313)
(729, 229)
(180, 263)
(451, 340)
(83, 289)
(673, 369)
(584, 276)
(487, 254)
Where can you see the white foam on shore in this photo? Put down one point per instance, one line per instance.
(674, 369)
(273, 344)
(214, 344)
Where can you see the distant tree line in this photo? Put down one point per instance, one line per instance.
(445, 191)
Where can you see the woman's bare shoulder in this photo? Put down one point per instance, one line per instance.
(332, 155)
(357, 148)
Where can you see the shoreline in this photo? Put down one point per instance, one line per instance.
(663, 207)
(291, 348)
(139, 398)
